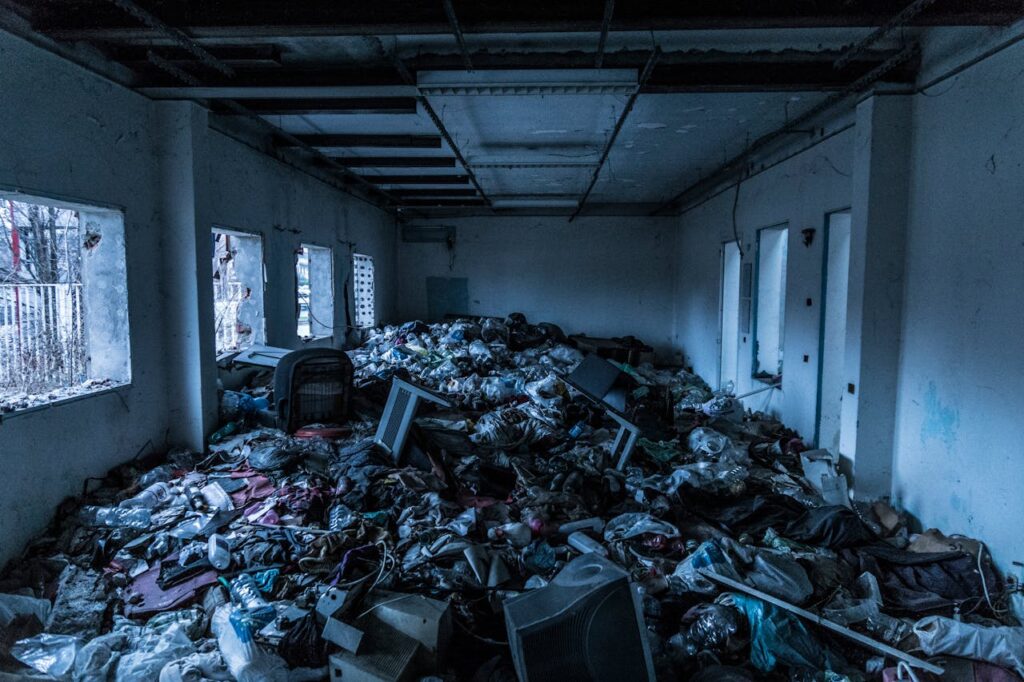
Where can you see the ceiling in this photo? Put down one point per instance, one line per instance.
(491, 107)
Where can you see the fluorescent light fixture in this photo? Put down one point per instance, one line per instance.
(528, 82)
(535, 202)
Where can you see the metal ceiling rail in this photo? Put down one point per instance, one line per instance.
(606, 22)
(449, 11)
(410, 80)
(901, 19)
(213, 62)
(736, 163)
(644, 75)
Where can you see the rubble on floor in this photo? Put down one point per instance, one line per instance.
(272, 557)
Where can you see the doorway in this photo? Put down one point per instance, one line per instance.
(730, 312)
(835, 284)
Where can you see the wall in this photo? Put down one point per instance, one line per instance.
(599, 276)
(959, 444)
(69, 134)
(799, 191)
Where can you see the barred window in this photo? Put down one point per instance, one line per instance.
(63, 301)
(362, 290)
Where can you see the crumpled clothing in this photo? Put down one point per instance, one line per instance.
(921, 583)
(772, 572)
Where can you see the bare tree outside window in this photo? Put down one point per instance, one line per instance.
(44, 332)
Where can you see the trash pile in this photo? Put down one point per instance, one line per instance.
(276, 557)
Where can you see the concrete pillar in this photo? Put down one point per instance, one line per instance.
(874, 304)
(105, 294)
(186, 274)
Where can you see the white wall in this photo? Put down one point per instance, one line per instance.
(68, 134)
(959, 446)
(799, 191)
(598, 276)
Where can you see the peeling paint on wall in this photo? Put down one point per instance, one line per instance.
(941, 421)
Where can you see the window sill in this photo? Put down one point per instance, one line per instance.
(768, 379)
(85, 395)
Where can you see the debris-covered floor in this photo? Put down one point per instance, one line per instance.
(282, 558)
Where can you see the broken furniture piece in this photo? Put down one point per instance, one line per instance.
(602, 382)
(398, 415)
(395, 636)
(586, 624)
(312, 385)
(821, 471)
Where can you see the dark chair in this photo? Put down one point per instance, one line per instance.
(312, 385)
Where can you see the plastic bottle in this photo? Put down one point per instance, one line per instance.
(223, 432)
(219, 552)
(594, 523)
(585, 544)
(152, 497)
(245, 660)
(247, 594)
(117, 517)
(160, 474)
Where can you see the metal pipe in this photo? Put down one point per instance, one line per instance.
(644, 75)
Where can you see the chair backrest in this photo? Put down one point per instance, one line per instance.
(312, 385)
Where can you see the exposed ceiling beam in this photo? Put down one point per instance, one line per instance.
(394, 161)
(902, 19)
(679, 71)
(435, 193)
(264, 55)
(280, 92)
(321, 18)
(417, 179)
(374, 141)
(443, 202)
(350, 105)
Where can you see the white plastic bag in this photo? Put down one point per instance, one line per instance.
(998, 645)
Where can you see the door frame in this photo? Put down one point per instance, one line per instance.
(821, 317)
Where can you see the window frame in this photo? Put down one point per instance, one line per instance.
(236, 232)
(756, 373)
(85, 208)
(373, 291)
(298, 304)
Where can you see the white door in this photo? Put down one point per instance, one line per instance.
(833, 329)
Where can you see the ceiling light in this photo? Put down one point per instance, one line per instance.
(528, 82)
(535, 202)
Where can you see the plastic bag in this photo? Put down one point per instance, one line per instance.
(50, 654)
(152, 652)
(480, 353)
(999, 645)
(778, 637)
(705, 441)
(724, 407)
(713, 627)
(549, 392)
(14, 605)
(626, 526)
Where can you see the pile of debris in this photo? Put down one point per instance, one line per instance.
(504, 540)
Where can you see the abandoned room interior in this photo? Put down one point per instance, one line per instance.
(467, 340)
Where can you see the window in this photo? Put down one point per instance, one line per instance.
(729, 331)
(237, 290)
(362, 290)
(314, 291)
(63, 301)
(770, 302)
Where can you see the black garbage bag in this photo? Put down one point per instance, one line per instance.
(833, 527)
